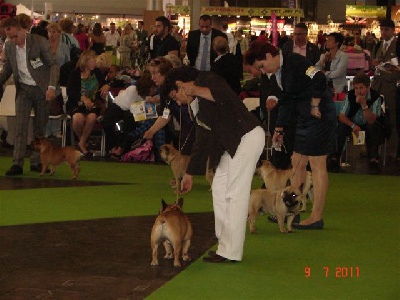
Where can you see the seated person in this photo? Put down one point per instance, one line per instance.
(119, 109)
(360, 111)
(116, 84)
(85, 97)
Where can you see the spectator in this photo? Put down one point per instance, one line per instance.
(386, 78)
(85, 98)
(82, 37)
(113, 38)
(226, 64)
(360, 111)
(333, 63)
(301, 45)
(167, 44)
(97, 40)
(199, 41)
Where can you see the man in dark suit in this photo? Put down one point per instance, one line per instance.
(301, 45)
(166, 45)
(35, 72)
(142, 40)
(200, 40)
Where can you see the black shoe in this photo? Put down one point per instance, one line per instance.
(316, 225)
(38, 168)
(373, 168)
(333, 165)
(14, 171)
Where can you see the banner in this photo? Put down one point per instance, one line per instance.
(251, 11)
(178, 9)
(366, 11)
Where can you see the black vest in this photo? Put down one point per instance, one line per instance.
(354, 106)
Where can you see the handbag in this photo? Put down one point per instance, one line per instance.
(143, 151)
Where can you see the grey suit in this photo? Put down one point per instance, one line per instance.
(45, 73)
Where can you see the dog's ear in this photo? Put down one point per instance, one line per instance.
(301, 187)
(288, 182)
(163, 204)
(180, 202)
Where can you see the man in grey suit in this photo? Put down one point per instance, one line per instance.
(35, 72)
(200, 41)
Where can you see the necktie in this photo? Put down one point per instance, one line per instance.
(203, 66)
(384, 48)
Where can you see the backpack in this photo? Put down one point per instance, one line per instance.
(74, 52)
(144, 152)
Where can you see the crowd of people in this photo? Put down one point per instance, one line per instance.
(199, 108)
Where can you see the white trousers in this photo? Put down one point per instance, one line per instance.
(231, 193)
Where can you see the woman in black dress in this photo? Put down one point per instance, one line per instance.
(307, 98)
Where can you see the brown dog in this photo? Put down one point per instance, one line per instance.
(276, 179)
(176, 160)
(281, 203)
(51, 155)
(174, 228)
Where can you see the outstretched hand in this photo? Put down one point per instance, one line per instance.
(315, 112)
(186, 184)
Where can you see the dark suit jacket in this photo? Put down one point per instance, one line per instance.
(312, 51)
(37, 47)
(228, 119)
(228, 67)
(193, 44)
(142, 38)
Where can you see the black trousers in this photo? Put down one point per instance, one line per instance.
(114, 114)
(372, 132)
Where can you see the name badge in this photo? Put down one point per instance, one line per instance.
(165, 114)
(36, 63)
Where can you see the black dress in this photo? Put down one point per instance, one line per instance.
(301, 82)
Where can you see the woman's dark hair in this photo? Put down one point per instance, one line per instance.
(339, 38)
(144, 84)
(258, 50)
(184, 74)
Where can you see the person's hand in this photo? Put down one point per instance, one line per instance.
(50, 95)
(186, 184)
(271, 103)
(362, 100)
(315, 112)
(104, 90)
(88, 103)
(356, 129)
(148, 135)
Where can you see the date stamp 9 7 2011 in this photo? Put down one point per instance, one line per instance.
(337, 272)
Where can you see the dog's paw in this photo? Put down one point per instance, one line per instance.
(283, 230)
(41, 174)
(154, 263)
(169, 256)
(186, 257)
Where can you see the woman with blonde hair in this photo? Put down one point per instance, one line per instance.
(85, 97)
(125, 48)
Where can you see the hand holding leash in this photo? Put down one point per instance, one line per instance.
(186, 184)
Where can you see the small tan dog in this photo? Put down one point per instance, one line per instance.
(51, 155)
(174, 228)
(176, 160)
(276, 179)
(281, 203)
(179, 164)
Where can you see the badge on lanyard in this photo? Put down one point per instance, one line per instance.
(165, 114)
(36, 63)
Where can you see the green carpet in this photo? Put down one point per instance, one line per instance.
(360, 244)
